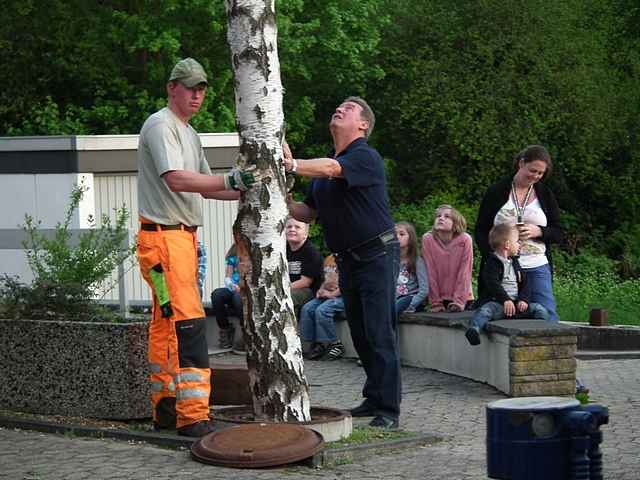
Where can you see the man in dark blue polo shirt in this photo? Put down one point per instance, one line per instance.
(348, 194)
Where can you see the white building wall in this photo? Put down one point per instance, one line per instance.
(113, 191)
(45, 197)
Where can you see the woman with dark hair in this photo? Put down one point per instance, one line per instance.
(521, 199)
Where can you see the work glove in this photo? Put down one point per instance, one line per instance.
(239, 179)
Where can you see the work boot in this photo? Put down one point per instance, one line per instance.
(165, 417)
(198, 429)
(226, 337)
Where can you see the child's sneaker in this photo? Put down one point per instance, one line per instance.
(334, 351)
(225, 340)
(473, 335)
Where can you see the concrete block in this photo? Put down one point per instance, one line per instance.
(91, 369)
(536, 389)
(616, 337)
(549, 352)
(538, 367)
(526, 348)
(518, 341)
(550, 377)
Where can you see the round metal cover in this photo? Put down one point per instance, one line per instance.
(257, 445)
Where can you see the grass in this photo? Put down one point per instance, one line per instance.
(576, 295)
(367, 435)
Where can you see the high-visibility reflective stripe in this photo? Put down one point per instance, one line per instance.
(156, 386)
(187, 393)
(188, 377)
(155, 368)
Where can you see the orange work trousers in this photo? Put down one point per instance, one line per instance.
(178, 354)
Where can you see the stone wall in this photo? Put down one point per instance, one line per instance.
(521, 358)
(87, 369)
(542, 364)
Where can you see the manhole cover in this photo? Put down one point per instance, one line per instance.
(331, 423)
(257, 445)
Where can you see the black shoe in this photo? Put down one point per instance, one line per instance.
(317, 352)
(386, 423)
(198, 429)
(158, 426)
(473, 336)
(364, 410)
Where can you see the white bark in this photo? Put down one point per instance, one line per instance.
(274, 355)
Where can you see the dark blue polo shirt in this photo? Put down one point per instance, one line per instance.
(354, 208)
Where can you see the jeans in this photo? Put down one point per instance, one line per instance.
(300, 296)
(225, 302)
(539, 289)
(368, 284)
(495, 311)
(402, 303)
(317, 322)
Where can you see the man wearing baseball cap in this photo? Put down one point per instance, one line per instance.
(173, 175)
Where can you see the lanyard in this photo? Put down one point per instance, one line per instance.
(520, 208)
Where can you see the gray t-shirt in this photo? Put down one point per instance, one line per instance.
(509, 280)
(166, 143)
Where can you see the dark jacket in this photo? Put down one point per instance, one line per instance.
(495, 197)
(492, 275)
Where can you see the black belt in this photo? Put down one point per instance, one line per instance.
(154, 227)
(377, 241)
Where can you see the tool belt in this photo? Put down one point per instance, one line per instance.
(154, 227)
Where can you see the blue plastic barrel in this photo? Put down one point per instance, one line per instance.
(528, 438)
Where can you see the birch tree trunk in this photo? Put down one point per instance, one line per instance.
(274, 355)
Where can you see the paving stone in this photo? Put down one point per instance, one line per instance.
(433, 402)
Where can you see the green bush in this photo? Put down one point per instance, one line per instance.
(587, 280)
(67, 275)
(585, 264)
(422, 214)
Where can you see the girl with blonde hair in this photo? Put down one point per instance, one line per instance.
(447, 251)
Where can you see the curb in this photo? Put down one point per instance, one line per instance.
(325, 458)
(607, 354)
(336, 456)
(158, 439)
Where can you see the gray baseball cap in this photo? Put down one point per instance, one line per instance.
(188, 72)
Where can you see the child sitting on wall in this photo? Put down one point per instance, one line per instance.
(504, 294)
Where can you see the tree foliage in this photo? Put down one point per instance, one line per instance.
(459, 87)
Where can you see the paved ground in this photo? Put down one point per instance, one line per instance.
(432, 402)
